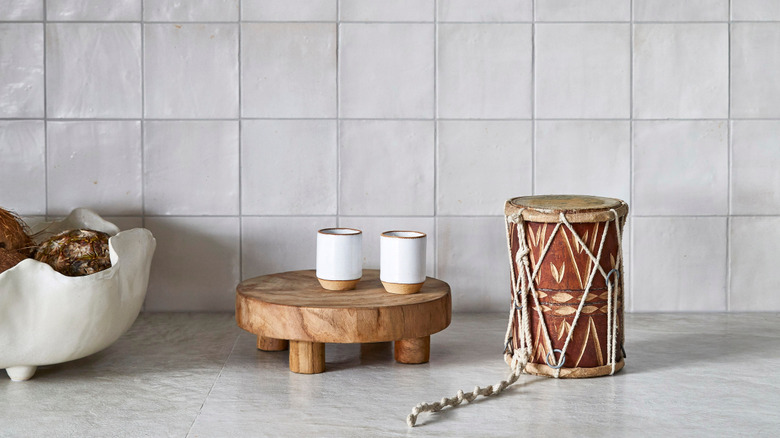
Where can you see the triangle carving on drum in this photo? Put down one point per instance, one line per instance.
(564, 330)
(591, 334)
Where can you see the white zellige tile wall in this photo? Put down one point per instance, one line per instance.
(235, 129)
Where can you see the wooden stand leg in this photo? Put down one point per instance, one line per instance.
(271, 344)
(417, 350)
(307, 357)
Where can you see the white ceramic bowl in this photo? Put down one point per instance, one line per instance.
(48, 318)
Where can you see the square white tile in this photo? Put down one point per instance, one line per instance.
(93, 70)
(288, 69)
(755, 10)
(386, 70)
(681, 71)
(584, 157)
(21, 10)
(196, 264)
(288, 167)
(22, 169)
(755, 158)
(679, 264)
(484, 71)
(191, 168)
(680, 168)
(373, 227)
(21, 70)
(688, 10)
(583, 10)
(94, 164)
(191, 70)
(387, 168)
(386, 10)
(191, 10)
(289, 10)
(503, 151)
(755, 59)
(93, 10)
(754, 273)
(480, 11)
(583, 70)
(280, 244)
(473, 259)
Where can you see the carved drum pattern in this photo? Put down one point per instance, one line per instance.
(562, 279)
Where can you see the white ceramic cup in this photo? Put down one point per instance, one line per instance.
(402, 261)
(339, 258)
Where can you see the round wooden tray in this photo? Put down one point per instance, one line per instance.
(291, 306)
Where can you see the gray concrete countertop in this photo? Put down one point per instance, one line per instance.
(199, 375)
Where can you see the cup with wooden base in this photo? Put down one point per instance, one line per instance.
(402, 261)
(339, 258)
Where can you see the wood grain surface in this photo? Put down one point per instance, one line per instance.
(293, 306)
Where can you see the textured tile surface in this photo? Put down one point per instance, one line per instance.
(21, 10)
(93, 10)
(681, 71)
(754, 273)
(289, 10)
(582, 70)
(380, 154)
(204, 57)
(477, 10)
(672, 179)
(191, 10)
(386, 10)
(689, 10)
(21, 70)
(288, 70)
(191, 168)
(196, 265)
(386, 70)
(280, 244)
(678, 264)
(755, 182)
(93, 70)
(22, 144)
(504, 151)
(758, 10)
(478, 283)
(198, 375)
(755, 59)
(587, 157)
(94, 164)
(289, 167)
(484, 71)
(583, 10)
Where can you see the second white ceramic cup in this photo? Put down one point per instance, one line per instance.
(402, 261)
(339, 258)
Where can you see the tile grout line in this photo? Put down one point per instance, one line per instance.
(435, 138)
(240, 150)
(45, 119)
(143, 130)
(338, 113)
(389, 22)
(631, 145)
(221, 370)
(533, 97)
(730, 152)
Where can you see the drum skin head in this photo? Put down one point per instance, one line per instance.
(577, 208)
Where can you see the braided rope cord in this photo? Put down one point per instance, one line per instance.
(522, 284)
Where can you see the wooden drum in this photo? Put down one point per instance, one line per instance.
(567, 281)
